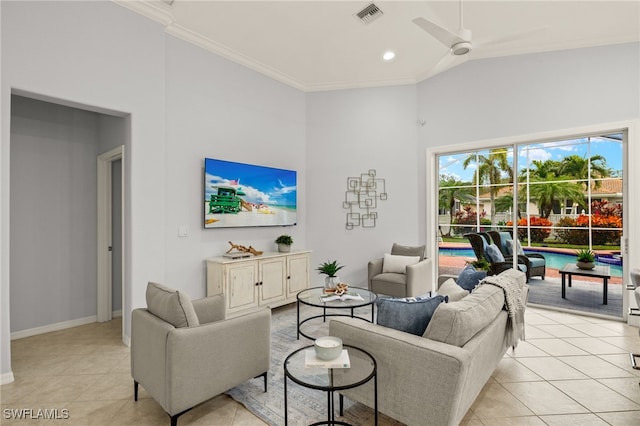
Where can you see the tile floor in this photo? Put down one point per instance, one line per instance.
(571, 370)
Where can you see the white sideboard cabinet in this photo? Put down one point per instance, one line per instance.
(271, 279)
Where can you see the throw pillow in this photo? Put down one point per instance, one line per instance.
(493, 253)
(171, 305)
(519, 249)
(406, 315)
(469, 278)
(452, 290)
(398, 264)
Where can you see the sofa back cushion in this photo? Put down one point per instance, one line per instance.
(457, 322)
(171, 305)
(452, 290)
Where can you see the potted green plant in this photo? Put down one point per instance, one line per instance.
(481, 265)
(585, 259)
(284, 243)
(330, 269)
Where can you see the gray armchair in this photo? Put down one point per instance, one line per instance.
(184, 353)
(413, 281)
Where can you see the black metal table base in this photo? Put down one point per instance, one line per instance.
(324, 316)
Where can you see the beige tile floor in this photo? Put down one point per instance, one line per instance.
(571, 370)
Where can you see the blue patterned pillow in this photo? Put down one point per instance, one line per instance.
(469, 278)
(408, 314)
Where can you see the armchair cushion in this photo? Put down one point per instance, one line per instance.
(171, 305)
(411, 315)
(398, 264)
(469, 278)
(401, 250)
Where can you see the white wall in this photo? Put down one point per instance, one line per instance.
(219, 109)
(348, 133)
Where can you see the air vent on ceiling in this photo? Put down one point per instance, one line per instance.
(369, 14)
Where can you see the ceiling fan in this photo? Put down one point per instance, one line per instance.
(459, 42)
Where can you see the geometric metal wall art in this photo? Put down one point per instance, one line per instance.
(361, 198)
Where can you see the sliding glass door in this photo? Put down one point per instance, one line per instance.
(555, 197)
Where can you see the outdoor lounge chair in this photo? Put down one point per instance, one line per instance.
(536, 263)
(480, 242)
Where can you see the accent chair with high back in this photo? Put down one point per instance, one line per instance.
(536, 263)
(184, 353)
(402, 273)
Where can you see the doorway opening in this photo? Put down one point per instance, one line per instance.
(53, 209)
(110, 265)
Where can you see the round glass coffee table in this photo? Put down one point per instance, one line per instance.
(312, 297)
(362, 369)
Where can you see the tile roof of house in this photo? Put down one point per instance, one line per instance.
(607, 187)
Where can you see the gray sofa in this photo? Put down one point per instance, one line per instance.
(433, 379)
(184, 353)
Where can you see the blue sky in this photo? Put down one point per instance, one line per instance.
(261, 184)
(608, 148)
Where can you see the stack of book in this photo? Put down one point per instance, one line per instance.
(342, 361)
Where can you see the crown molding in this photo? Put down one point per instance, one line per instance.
(344, 85)
(227, 53)
(156, 11)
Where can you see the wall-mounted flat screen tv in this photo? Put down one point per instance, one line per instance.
(239, 194)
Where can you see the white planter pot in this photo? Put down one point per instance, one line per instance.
(331, 282)
(284, 248)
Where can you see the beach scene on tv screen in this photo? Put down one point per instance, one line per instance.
(238, 194)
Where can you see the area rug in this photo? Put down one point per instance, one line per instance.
(305, 406)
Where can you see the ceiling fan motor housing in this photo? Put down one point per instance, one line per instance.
(461, 48)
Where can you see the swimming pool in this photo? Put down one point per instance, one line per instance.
(554, 260)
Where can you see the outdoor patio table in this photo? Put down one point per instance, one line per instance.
(603, 272)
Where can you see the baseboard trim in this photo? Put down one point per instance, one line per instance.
(53, 327)
(116, 314)
(6, 378)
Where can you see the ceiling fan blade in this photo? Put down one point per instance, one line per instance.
(448, 61)
(441, 34)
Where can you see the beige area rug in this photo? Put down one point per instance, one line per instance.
(305, 406)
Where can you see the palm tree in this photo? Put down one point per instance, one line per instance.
(450, 190)
(491, 170)
(505, 202)
(546, 192)
(542, 169)
(575, 166)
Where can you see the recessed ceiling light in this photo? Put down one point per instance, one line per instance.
(388, 55)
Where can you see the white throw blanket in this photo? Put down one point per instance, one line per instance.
(514, 306)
